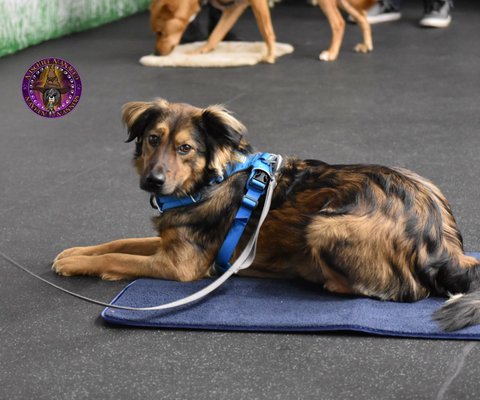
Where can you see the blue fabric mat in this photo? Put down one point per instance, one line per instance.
(249, 304)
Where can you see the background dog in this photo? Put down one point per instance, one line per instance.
(357, 10)
(356, 229)
(169, 20)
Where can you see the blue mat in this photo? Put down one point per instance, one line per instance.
(250, 304)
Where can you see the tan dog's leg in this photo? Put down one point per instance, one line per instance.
(337, 25)
(262, 15)
(361, 17)
(226, 22)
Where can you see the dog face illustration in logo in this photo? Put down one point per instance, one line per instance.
(51, 99)
(51, 90)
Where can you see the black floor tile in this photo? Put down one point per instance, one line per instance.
(413, 102)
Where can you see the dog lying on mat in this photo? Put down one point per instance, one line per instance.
(364, 230)
(169, 20)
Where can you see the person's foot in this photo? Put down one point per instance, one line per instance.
(383, 11)
(437, 14)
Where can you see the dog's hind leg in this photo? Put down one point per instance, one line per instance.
(138, 246)
(337, 25)
(361, 18)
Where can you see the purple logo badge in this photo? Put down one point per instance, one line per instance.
(51, 87)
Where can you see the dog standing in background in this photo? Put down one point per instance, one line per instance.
(366, 230)
(357, 9)
(170, 18)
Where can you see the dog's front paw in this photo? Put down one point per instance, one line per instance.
(74, 251)
(363, 48)
(268, 59)
(87, 265)
(69, 266)
(201, 50)
(327, 56)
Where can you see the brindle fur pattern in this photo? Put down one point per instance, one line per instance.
(356, 229)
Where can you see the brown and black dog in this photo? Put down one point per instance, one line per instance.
(169, 20)
(355, 229)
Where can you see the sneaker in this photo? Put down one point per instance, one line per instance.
(437, 14)
(383, 11)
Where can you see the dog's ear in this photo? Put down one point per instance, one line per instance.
(224, 136)
(221, 128)
(138, 116)
(161, 11)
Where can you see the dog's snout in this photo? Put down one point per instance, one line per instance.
(156, 178)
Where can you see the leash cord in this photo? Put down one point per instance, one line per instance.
(78, 296)
(242, 262)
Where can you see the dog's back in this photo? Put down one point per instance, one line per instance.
(369, 230)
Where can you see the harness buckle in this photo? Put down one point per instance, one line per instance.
(248, 202)
(259, 180)
(273, 161)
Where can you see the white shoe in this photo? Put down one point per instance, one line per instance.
(383, 11)
(437, 14)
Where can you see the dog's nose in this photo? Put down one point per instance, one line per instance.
(157, 179)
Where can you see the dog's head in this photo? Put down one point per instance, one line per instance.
(180, 148)
(169, 20)
(51, 97)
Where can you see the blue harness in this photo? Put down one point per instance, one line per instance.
(263, 168)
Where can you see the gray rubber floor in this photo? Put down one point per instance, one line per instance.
(414, 102)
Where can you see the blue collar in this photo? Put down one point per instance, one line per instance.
(165, 203)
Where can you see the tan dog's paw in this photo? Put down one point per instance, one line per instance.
(363, 48)
(327, 56)
(201, 50)
(74, 251)
(268, 59)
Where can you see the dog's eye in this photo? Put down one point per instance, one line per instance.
(153, 140)
(184, 149)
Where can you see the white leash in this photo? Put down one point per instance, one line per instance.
(243, 261)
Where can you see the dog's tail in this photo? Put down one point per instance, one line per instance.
(462, 280)
(460, 311)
